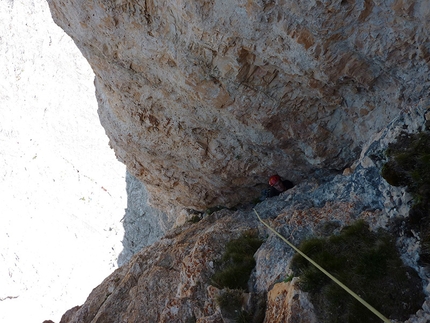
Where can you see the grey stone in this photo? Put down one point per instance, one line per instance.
(143, 224)
(180, 265)
(203, 101)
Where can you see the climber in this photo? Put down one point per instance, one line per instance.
(278, 185)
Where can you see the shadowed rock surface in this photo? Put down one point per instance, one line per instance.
(203, 100)
(143, 224)
(170, 281)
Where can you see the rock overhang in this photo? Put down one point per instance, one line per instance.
(203, 101)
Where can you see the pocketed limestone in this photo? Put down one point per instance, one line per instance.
(204, 100)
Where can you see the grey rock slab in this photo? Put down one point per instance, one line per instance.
(143, 224)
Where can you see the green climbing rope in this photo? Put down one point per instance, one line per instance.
(358, 298)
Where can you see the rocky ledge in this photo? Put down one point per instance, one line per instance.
(204, 100)
(172, 279)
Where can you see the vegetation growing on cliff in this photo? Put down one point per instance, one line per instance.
(237, 262)
(370, 265)
(234, 270)
(409, 165)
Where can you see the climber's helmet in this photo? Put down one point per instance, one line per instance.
(275, 179)
(276, 182)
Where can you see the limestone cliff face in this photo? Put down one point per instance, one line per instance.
(143, 224)
(170, 281)
(203, 100)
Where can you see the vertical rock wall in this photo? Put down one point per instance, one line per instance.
(171, 280)
(143, 225)
(202, 100)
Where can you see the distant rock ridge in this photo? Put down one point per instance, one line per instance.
(204, 100)
(170, 280)
(143, 224)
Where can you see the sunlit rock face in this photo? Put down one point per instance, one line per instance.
(203, 100)
(171, 280)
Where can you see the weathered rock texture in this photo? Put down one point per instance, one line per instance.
(204, 99)
(169, 281)
(143, 224)
(287, 303)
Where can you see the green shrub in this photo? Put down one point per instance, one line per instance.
(409, 162)
(409, 165)
(195, 218)
(237, 262)
(230, 302)
(232, 275)
(191, 319)
(369, 264)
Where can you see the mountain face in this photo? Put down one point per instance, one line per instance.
(172, 280)
(203, 100)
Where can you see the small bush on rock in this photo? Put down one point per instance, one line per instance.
(195, 218)
(234, 270)
(409, 165)
(369, 264)
(237, 262)
(230, 302)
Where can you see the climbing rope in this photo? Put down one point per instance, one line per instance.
(325, 272)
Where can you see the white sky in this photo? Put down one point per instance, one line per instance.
(62, 191)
